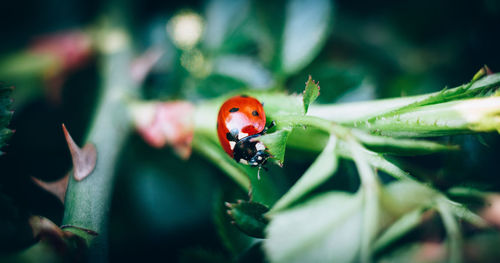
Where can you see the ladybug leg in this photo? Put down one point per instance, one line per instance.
(272, 124)
(258, 172)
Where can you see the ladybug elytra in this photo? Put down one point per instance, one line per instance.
(240, 122)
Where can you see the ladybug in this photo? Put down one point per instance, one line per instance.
(240, 122)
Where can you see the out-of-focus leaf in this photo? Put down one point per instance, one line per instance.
(403, 203)
(454, 237)
(370, 190)
(403, 196)
(464, 213)
(281, 104)
(311, 92)
(219, 157)
(249, 217)
(244, 69)
(398, 229)
(416, 252)
(324, 229)
(223, 16)
(322, 169)
(5, 114)
(26, 64)
(41, 252)
(340, 83)
(195, 255)
(263, 188)
(305, 31)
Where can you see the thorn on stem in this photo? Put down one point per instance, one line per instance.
(84, 159)
(57, 188)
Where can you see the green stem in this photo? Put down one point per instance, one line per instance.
(453, 231)
(357, 112)
(212, 152)
(449, 118)
(312, 121)
(370, 188)
(88, 201)
(343, 150)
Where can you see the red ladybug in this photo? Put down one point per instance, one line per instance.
(241, 119)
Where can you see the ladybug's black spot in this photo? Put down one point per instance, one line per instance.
(234, 109)
(255, 113)
(244, 96)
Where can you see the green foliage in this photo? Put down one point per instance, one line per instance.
(276, 143)
(311, 92)
(305, 31)
(325, 228)
(249, 217)
(5, 114)
(323, 167)
(346, 192)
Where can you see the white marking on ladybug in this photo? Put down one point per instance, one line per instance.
(242, 135)
(232, 144)
(260, 146)
(243, 161)
(259, 158)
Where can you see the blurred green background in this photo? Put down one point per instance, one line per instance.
(164, 207)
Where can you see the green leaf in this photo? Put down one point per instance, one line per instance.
(206, 255)
(464, 213)
(306, 29)
(249, 217)
(311, 92)
(223, 17)
(323, 168)
(215, 153)
(403, 196)
(5, 114)
(324, 229)
(244, 69)
(281, 104)
(276, 143)
(232, 238)
(398, 229)
(454, 236)
(370, 191)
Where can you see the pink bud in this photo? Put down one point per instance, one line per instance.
(167, 123)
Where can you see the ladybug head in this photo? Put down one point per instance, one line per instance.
(250, 151)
